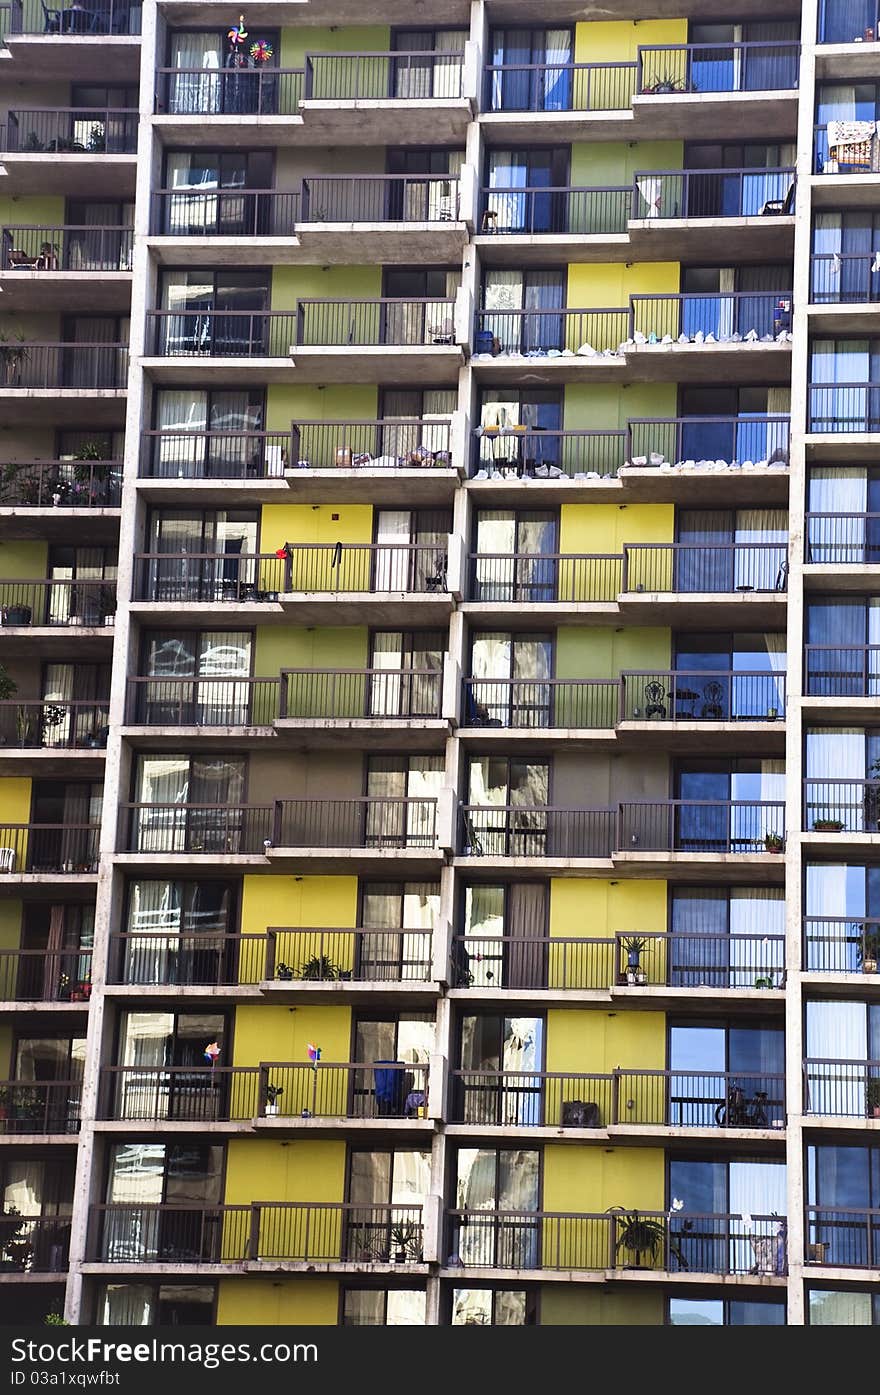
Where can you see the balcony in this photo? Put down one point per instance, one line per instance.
(658, 834)
(655, 97)
(688, 338)
(713, 212)
(46, 850)
(837, 811)
(33, 1245)
(531, 224)
(845, 152)
(39, 738)
(846, 671)
(57, 604)
(672, 1243)
(843, 1237)
(227, 92)
(38, 976)
(320, 832)
(652, 1101)
(840, 945)
(840, 550)
(29, 18)
(377, 1094)
(342, 583)
(322, 340)
(66, 268)
(841, 1089)
(297, 958)
(72, 367)
(39, 1107)
(90, 152)
(293, 1232)
(373, 460)
(751, 577)
(704, 966)
(60, 486)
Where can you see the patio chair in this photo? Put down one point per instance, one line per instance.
(51, 19)
(781, 207)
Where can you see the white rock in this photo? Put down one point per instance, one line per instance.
(684, 339)
(751, 336)
(656, 457)
(736, 338)
(481, 475)
(640, 460)
(710, 339)
(640, 338)
(699, 337)
(766, 338)
(667, 339)
(496, 475)
(665, 466)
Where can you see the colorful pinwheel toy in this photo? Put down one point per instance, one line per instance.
(261, 51)
(237, 34)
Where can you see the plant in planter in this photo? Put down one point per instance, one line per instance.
(667, 82)
(406, 1243)
(639, 1235)
(8, 686)
(827, 825)
(14, 354)
(868, 951)
(774, 842)
(90, 468)
(319, 966)
(872, 1097)
(19, 1252)
(635, 946)
(11, 1222)
(284, 972)
(273, 1094)
(26, 727)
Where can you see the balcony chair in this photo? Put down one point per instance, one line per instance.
(19, 260)
(781, 207)
(655, 694)
(51, 19)
(711, 708)
(436, 581)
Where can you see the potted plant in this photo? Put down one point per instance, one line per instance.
(8, 686)
(638, 1235)
(763, 981)
(871, 798)
(273, 1094)
(283, 972)
(13, 355)
(872, 1097)
(868, 951)
(10, 1226)
(82, 991)
(774, 842)
(827, 825)
(405, 1243)
(26, 726)
(319, 966)
(635, 946)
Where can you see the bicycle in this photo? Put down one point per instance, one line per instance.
(738, 1112)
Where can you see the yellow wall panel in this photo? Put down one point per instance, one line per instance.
(585, 653)
(32, 210)
(328, 525)
(23, 561)
(10, 927)
(263, 1170)
(608, 406)
(605, 285)
(323, 646)
(347, 38)
(15, 807)
(276, 1303)
(583, 1305)
(5, 1050)
(276, 1032)
(286, 403)
(595, 1041)
(293, 283)
(616, 41)
(596, 909)
(278, 902)
(592, 1179)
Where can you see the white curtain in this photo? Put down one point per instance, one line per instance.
(837, 1032)
(197, 92)
(393, 528)
(758, 913)
(127, 1305)
(447, 71)
(832, 491)
(778, 405)
(874, 640)
(756, 1190)
(837, 1308)
(504, 291)
(424, 782)
(831, 757)
(759, 568)
(181, 410)
(508, 171)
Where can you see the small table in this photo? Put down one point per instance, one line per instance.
(686, 695)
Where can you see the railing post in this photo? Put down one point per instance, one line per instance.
(615, 1095)
(271, 952)
(282, 694)
(621, 699)
(253, 1244)
(624, 569)
(277, 821)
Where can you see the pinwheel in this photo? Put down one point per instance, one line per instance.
(261, 51)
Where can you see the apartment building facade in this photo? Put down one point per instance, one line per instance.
(435, 499)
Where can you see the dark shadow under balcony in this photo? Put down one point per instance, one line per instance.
(293, 1232)
(622, 1243)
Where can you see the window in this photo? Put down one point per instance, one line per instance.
(730, 677)
(146, 1178)
(496, 1198)
(731, 550)
(494, 1307)
(504, 934)
(404, 790)
(164, 1073)
(390, 907)
(516, 555)
(844, 515)
(502, 447)
(509, 798)
(733, 180)
(437, 73)
(843, 647)
(720, 64)
(732, 1221)
(200, 433)
(726, 937)
(842, 765)
(207, 192)
(723, 1312)
(99, 237)
(393, 1307)
(842, 1043)
(849, 102)
(84, 592)
(710, 1060)
(731, 423)
(507, 688)
(218, 662)
(156, 1305)
(426, 312)
(728, 806)
(179, 932)
(73, 814)
(220, 313)
(842, 903)
(406, 673)
(64, 935)
(216, 77)
(201, 555)
(840, 1307)
(390, 1044)
(411, 549)
(520, 309)
(846, 21)
(526, 193)
(387, 1191)
(42, 1194)
(843, 1205)
(499, 1080)
(530, 70)
(844, 390)
(190, 804)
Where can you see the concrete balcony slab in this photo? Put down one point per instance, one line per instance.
(80, 176)
(333, 363)
(92, 58)
(862, 320)
(91, 291)
(429, 121)
(323, 244)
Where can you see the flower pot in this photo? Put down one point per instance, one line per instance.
(18, 615)
(869, 966)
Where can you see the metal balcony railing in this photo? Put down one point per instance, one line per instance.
(761, 314)
(35, 1244)
(207, 957)
(540, 702)
(843, 1236)
(203, 702)
(220, 212)
(360, 694)
(378, 323)
(841, 23)
(842, 1088)
(675, 439)
(66, 484)
(539, 210)
(71, 131)
(844, 670)
(851, 806)
(368, 568)
(36, 1107)
(390, 443)
(57, 602)
(262, 91)
(173, 454)
(73, 366)
(367, 822)
(685, 568)
(539, 454)
(66, 248)
(839, 944)
(843, 278)
(49, 847)
(662, 1098)
(841, 539)
(553, 87)
(857, 157)
(71, 17)
(702, 695)
(206, 333)
(525, 830)
(417, 76)
(717, 1243)
(676, 960)
(277, 1230)
(536, 332)
(753, 66)
(57, 726)
(228, 1094)
(385, 198)
(43, 976)
(711, 193)
(363, 955)
(701, 826)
